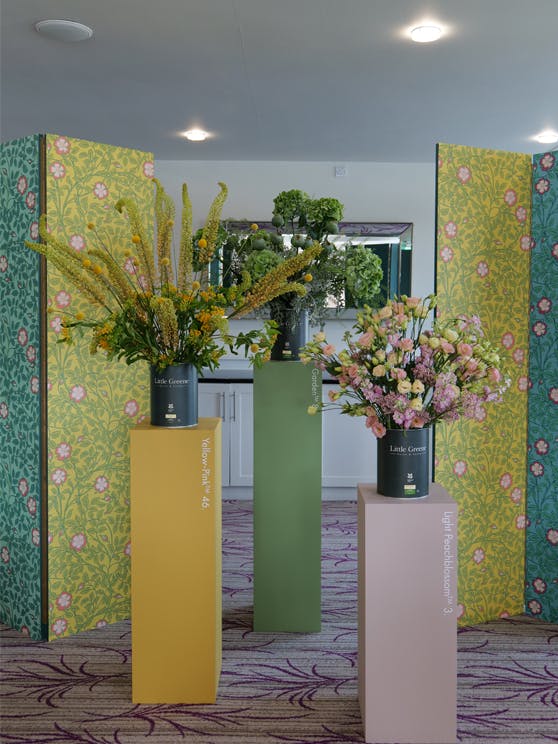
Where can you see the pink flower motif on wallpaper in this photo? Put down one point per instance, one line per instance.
(478, 555)
(460, 468)
(62, 145)
(5, 554)
(31, 354)
(553, 253)
(539, 328)
(508, 340)
(143, 283)
(547, 161)
(23, 487)
(131, 408)
(22, 337)
(58, 476)
(4, 410)
(521, 214)
(535, 607)
(129, 266)
(537, 468)
(3, 264)
(446, 254)
(78, 541)
(64, 600)
(510, 197)
(464, 174)
(539, 585)
(30, 200)
(460, 611)
(59, 626)
(56, 324)
(148, 169)
(518, 356)
(516, 495)
(57, 170)
(520, 522)
(21, 185)
(63, 451)
(541, 447)
(100, 190)
(480, 413)
(100, 623)
(542, 185)
(552, 536)
(523, 384)
(450, 229)
(544, 305)
(63, 298)
(553, 394)
(78, 393)
(128, 548)
(505, 480)
(31, 506)
(77, 242)
(35, 537)
(50, 537)
(24, 630)
(34, 230)
(101, 484)
(482, 268)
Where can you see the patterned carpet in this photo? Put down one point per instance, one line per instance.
(298, 688)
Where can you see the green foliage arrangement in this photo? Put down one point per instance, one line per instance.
(308, 221)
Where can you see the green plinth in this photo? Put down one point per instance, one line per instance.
(287, 498)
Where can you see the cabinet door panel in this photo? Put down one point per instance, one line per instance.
(212, 402)
(241, 415)
(348, 449)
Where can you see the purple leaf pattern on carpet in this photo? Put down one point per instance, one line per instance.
(297, 688)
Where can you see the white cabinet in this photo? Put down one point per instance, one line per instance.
(348, 449)
(233, 403)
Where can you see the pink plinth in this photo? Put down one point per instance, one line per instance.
(407, 600)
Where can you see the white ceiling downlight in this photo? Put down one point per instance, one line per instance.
(63, 30)
(425, 34)
(196, 135)
(548, 137)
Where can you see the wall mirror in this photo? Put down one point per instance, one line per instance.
(391, 241)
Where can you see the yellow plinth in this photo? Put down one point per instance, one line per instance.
(176, 563)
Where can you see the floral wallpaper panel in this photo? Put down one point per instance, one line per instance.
(541, 593)
(20, 504)
(91, 403)
(483, 247)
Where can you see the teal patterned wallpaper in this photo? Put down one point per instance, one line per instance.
(541, 593)
(20, 530)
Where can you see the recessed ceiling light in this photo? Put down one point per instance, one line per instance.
(63, 30)
(548, 137)
(196, 135)
(424, 34)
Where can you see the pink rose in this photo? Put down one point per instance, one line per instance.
(378, 429)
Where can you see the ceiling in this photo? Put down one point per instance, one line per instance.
(314, 80)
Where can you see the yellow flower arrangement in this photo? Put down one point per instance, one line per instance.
(146, 308)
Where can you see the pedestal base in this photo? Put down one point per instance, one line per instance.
(176, 563)
(287, 499)
(407, 634)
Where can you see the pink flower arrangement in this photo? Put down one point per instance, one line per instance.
(399, 374)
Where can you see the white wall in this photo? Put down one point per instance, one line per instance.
(371, 192)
